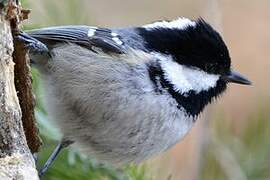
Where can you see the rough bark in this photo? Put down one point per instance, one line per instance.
(23, 84)
(16, 160)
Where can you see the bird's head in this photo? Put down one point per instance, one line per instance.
(194, 62)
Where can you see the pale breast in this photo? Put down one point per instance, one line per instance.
(111, 110)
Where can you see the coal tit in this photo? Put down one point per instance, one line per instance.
(126, 94)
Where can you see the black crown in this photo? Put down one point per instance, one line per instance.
(198, 46)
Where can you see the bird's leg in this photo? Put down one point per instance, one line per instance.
(63, 144)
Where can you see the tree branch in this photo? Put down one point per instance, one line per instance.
(16, 160)
(23, 84)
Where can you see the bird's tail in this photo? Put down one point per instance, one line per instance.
(31, 43)
(38, 51)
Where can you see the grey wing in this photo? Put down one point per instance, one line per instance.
(86, 36)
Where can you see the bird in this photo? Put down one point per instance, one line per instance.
(124, 95)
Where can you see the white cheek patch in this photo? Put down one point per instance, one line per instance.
(180, 23)
(185, 79)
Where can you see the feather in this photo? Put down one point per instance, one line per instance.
(86, 36)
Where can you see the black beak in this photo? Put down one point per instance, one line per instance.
(236, 77)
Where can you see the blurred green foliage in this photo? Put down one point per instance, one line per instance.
(250, 149)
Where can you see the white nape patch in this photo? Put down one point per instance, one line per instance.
(184, 78)
(91, 32)
(180, 23)
(117, 40)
